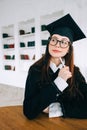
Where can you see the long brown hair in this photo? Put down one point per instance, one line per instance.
(46, 61)
(69, 61)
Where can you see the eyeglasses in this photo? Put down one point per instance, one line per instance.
(63, 43)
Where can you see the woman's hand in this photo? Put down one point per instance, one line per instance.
(46, 110)
(64, 73)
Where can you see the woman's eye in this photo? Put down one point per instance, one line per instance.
(62, 42)
(53, 40)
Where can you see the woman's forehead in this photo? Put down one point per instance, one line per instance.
(59, 36)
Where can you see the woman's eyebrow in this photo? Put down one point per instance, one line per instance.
(65, 39)
(61, 39)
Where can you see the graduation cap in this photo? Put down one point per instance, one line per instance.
(66, 26)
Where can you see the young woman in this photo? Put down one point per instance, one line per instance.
(54, 84)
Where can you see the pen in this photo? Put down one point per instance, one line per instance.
(62, 62)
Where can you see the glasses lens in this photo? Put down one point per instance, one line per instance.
(64, 44)
(53, 41)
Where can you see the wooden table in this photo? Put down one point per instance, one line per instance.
(12, 118)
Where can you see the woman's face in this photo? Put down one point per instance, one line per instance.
(58, 46)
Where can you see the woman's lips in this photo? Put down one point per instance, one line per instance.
(56, 51)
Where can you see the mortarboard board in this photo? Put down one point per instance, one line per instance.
(66, 26)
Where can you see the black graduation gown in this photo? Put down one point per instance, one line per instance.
(39, 96)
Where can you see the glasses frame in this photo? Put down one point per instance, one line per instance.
(58, 41)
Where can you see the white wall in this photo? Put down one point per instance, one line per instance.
(80, 55)
(15, 11)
